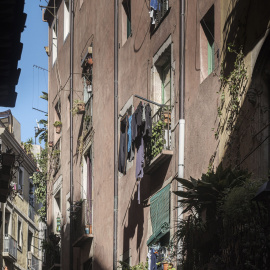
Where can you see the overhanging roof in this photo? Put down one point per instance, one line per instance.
(12, 21)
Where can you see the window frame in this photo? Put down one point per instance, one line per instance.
(54, 40)
(66, 19)
(20, 235)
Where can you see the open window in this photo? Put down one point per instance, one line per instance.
(207, 41)
(66, 18)
(54, 41)
(30, 245)
(158, 10)
(20, 234)
(87, 74)
(126, 20)
(20, 180)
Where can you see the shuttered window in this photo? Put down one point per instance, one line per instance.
(160, 214)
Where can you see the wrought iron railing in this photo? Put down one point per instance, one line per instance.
(82, 216)
(88, 119)
(56, 157)
(162, 8)
(10, 246)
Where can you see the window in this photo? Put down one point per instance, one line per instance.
(19, 235)
(66, 18)
(30, 246)
(207, 41)
(54, 41)
(57, 210)
(87, 74)
(158, 10)
(87, 184)
(20, 180)
(7, 223)
(160, 216)
(126, 20)
(31, 194)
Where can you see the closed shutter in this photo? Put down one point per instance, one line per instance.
(160, 214)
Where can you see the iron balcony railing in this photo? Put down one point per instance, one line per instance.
(162, 8)
(88, 115)
(82, 216)
(33, 261)
(56, 157)
(10, 246)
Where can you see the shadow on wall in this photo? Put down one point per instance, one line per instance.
(149, 185)
(243, 28)
(247, 144)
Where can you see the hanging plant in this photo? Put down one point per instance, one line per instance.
(78, 107)
(58, 126)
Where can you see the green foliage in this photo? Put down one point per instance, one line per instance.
(126, 266)
(157, 139)
(233, 87)
(222, 228)
(75, 108)
(57, 124)
(28, 146)
(52, 249)
(40, 182)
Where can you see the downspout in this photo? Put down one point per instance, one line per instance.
(181, 142)
(115, 218)
(182, 91)
(71, 127)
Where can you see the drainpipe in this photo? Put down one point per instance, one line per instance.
(71, 126)
(181, 142)
(115, 218)
(182, 90)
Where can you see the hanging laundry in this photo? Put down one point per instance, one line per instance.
(154, 4)
(129, 133)
(140, 158)
(153, 262)
(148, 121)
(143, 113)
(122, 161)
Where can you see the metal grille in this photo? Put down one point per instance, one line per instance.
(163, 6)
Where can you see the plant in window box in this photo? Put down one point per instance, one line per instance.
(78, 107)
(157, 139)
(87, 121)
(58, 126)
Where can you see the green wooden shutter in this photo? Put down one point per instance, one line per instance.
(160, 214)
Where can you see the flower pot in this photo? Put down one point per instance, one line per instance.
(167, 117)
(81, 108)
(88, 229)
(50, 143)
(58, 129)
(165, 266)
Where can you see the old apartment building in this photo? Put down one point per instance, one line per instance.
(104, 204)
(21, 231)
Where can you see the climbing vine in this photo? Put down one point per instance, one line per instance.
(231, 91)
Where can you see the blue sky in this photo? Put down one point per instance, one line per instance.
(32, 81)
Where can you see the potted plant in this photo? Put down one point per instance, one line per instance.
(78, 107)
(58, 126)
(50, 143)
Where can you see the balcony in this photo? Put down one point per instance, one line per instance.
(10, 248)
(88, 116)
(33, 262)
(160, 147)
(82, 215)
(56, 157)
